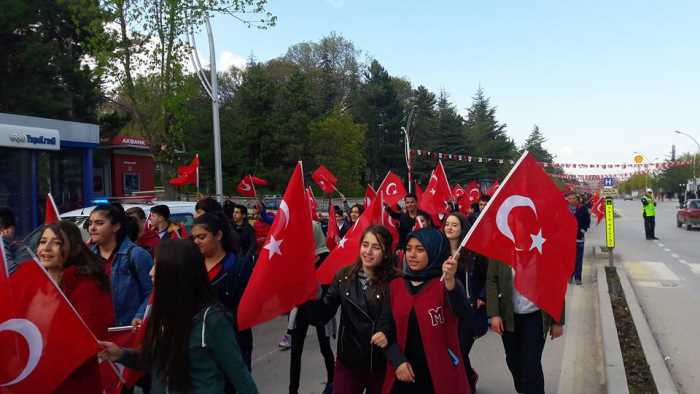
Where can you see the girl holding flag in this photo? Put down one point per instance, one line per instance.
(189, 345)
(81, 276)
(361, 291)
(425, 351)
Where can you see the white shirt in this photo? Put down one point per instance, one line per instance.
(521, 305)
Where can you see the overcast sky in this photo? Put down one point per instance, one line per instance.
(601, 80)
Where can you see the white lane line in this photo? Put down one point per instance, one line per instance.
(675, 256)
(683, 261)
(660, 245)
(667, 250)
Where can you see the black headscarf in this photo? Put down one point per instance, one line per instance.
(436, 246)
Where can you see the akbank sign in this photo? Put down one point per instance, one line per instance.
(29, 137)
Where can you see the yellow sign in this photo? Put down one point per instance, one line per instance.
(610, 192)
(609, 223)
(638, 159)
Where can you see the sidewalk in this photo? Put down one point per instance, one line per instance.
(572, 364)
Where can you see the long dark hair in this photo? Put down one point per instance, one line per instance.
(465, 260)
(78, 254)
(386, 270)
(215, 222)
(115, 216)
(180, 291)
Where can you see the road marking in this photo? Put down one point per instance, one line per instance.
(695, 268)
(667, 250)
(675, 256)
(650, 271)
(660, 244)
(683, 261)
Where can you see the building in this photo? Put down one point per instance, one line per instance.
(38, 156)
(123, 165)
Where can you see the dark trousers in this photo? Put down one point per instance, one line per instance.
(578, 268)
(348, 381)
(298, 337)
(245, 343)
(524, 353)
(649, 226)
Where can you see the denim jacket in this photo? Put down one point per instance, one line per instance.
(131, 282)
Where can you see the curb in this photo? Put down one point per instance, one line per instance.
(616, 380)
(657, 365)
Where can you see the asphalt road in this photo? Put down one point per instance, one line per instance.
(666, 278)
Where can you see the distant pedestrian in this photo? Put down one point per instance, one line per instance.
(406, 219)
(583, 220)
(207, 204)
(8, 228)
(160, 218)
(649, 214)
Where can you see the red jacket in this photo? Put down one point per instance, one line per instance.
(438, 329)
(148, 240)
(94, 305)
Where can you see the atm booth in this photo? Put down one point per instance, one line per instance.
(124, 165)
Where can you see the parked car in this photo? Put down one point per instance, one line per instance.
(181, 212)
(689, 215)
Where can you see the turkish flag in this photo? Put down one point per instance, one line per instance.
(332, 234)
(528, 226)
(349, 247)
(246, 187)
(313, 204)
(42, 338)
(324, 179)
(598, 209)
(283, 276)
(458, 191)
(436, 193)
(392, 189)
(258, 181)
(370, 194)
(187, 174)
(473, 192)
(492, 189)
(51, 215)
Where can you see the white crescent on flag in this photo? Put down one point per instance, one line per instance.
(35, 344)
(389, 188)
(245, 187)
(503, 212)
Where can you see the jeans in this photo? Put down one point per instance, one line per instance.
(347, 381)
(524, 353)
(579, 261)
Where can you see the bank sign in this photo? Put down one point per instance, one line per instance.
(29, 137)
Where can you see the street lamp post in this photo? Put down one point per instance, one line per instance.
(407, 148)
(212, 89)
(695, 186)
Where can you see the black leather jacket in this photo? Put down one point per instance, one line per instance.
(362, 314)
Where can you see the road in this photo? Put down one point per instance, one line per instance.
(666, 278)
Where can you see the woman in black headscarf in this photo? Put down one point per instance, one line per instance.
(425, 305)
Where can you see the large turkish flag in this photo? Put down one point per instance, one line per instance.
(392, 189)
(527, 225)
(42, 338)
(283, 276)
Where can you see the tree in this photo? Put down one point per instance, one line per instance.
(451, 137)
(381, 110)
(43, 61)
(533, 144)
(422, 130)
(489, 138)
(338, 143)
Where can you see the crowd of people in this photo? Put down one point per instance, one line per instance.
(409, 316)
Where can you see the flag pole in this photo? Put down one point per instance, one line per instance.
(255, 192)
(197, 173)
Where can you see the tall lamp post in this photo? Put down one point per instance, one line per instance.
(407, 148)
(212, 89)
(695, 186)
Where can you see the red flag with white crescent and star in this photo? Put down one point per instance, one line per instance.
(349, 246)
(528, 225)
(392, 189)
(436, 193)
(598, 208)
(43, 339)
(324, 178)
(284, 274)
(246, 187)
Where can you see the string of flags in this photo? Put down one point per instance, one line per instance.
(477, 159)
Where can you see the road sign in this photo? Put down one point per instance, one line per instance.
(609, 223)
(608, 182)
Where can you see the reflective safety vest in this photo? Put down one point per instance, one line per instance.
(649, 209)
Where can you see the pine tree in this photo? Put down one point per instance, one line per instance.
(451, 138)
(533, 144)
(422, 131)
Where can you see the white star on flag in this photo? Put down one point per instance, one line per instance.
(274, 246)
(432, 191)
(537, 241)
(342, 241)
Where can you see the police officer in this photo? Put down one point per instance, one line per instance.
(649, 214)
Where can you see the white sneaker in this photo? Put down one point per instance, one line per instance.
(285, 342)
